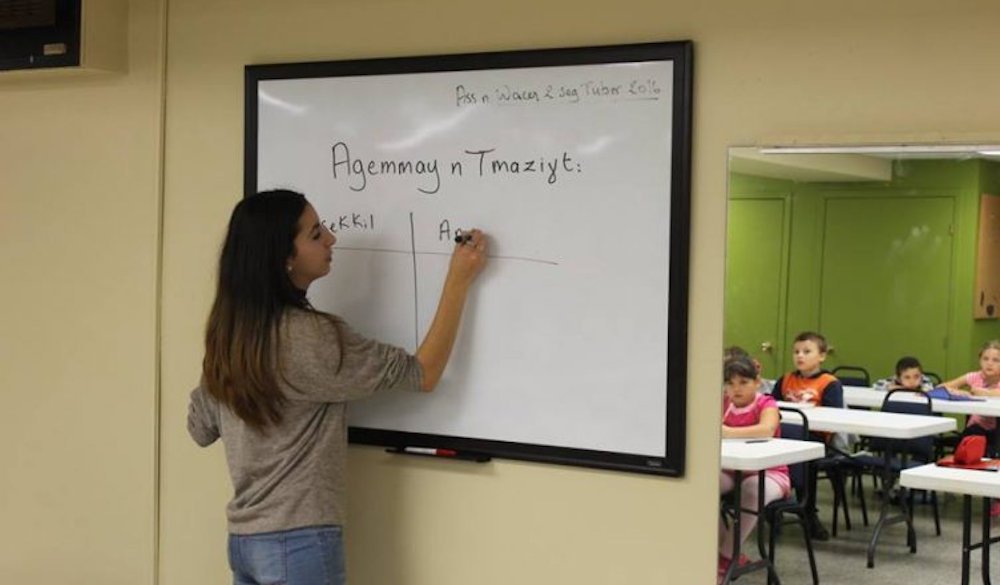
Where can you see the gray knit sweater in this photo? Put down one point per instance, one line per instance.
(292, 476)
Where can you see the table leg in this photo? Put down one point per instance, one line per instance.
(735, 569)
(905, 508)
(966, 536)
(772, 574)
(888, 483)
(734, 560)
(986, 541)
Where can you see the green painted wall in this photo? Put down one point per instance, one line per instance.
(960, 181)
(984, 330)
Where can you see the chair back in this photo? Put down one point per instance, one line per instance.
(921, 448)
(934, 378)
(797, 472)
(852, 375)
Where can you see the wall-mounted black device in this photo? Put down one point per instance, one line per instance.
(39, 33)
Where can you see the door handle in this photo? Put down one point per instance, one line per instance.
(767, 347)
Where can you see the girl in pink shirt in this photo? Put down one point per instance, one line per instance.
(745, 415)
(985, 382)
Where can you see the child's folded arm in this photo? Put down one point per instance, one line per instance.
(769, 420)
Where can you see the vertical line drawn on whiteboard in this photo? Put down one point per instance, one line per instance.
(416, 303)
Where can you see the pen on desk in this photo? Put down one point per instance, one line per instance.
(758, 440)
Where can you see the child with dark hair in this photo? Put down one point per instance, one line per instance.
(276, 379)
(747, 414)
(764, 386)
(909, 376)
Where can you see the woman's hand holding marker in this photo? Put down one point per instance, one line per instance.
(469, 256)
(467, 261)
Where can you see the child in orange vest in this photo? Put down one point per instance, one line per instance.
(809, 383)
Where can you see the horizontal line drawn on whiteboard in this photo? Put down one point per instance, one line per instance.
(415, 253)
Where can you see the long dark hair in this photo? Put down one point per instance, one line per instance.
(240, 366)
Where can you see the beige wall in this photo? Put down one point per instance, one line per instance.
(79, 227)
(413, 523)
(78, 251)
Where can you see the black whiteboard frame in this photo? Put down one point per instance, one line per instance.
(680, 53)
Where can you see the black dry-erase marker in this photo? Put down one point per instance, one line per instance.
(463, 238)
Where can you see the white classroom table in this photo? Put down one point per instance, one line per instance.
(890, 425)
(757, 454)
(874, 423)
(741, 455)
(871, 398)
(969, 483)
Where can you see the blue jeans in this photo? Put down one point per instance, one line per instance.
(304, 556)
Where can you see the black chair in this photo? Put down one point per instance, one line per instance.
(837, 466)
(795, 503)
(945, 443)
(852, 375)
(907, 453)
(934, 378)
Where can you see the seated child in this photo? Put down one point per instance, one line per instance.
(909, 376)
(984, 382)
(764, 386)
(747, 414)
(809, 383)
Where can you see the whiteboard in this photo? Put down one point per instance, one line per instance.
(575, 162)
